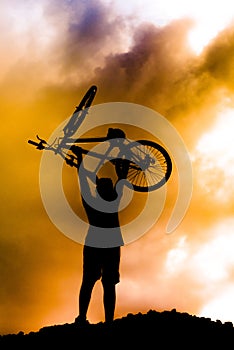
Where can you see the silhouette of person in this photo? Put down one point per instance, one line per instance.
(101, 251)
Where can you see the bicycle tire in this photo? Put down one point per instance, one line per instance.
(80, 112)
(87, 99)
(156, 173)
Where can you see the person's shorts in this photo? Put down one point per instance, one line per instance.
(101, 263)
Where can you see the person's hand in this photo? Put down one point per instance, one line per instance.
(114, 133)
(77, 150)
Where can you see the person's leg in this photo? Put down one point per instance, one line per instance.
(110, 277)
(91, 273)
(84, 298)
(109, 300)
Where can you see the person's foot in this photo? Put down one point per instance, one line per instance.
(108, 323)
(81, 321)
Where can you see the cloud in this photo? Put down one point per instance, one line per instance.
(58, 54)
(218, 58)
(149, 70)
(90, 33)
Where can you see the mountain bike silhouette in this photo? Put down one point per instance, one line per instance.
(150, 165)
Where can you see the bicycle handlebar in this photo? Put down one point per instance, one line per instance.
(39, 145)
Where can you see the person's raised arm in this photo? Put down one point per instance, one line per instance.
(121, 167)
(78, 151)
(85, 176)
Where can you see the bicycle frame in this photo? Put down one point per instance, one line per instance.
(66, 143)
(116, 143)
(70, 128)
(150, 164)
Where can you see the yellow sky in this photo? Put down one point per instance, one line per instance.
(50, 55)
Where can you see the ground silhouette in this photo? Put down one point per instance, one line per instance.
(150, 330)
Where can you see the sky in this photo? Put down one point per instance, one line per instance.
(174, 57)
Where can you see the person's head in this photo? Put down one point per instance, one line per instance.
(105, 189)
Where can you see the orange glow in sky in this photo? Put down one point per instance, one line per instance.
(175, 57)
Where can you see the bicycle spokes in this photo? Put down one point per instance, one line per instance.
(150, 165)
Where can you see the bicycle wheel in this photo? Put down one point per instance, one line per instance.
(150, 165)
(80, 112)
